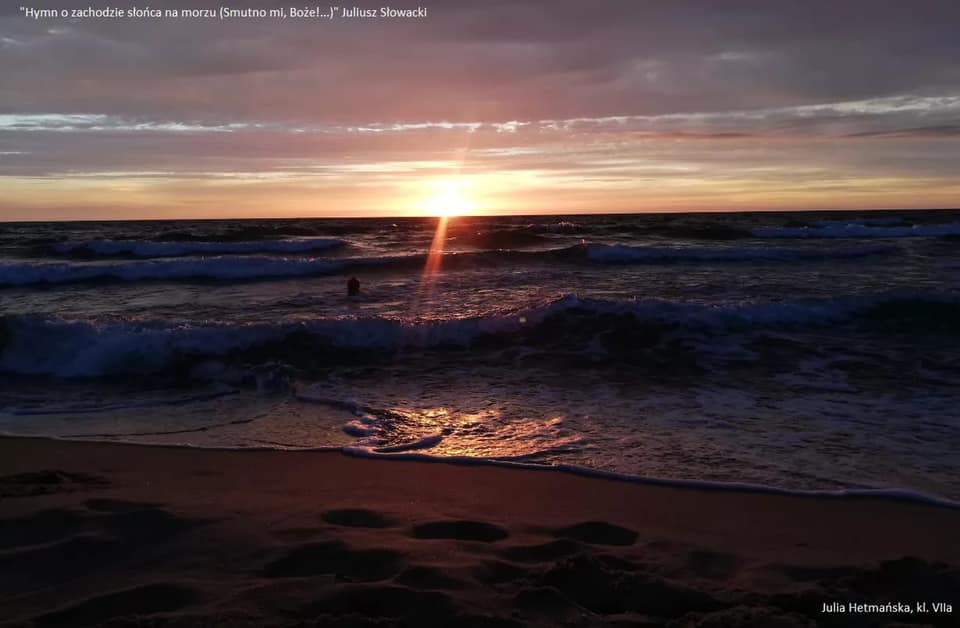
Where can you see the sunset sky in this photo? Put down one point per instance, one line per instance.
(516, 106)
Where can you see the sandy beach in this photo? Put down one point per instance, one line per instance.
(125, 535)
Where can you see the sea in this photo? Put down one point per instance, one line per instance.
(788, 351)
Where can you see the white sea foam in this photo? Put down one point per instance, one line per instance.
(556, 227)
(425, 442)
(362, 426)
(39, 345)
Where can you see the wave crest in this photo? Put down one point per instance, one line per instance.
(33, 345)
(248, 268)
(216, 268)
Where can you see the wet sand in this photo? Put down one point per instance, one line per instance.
(125, 535)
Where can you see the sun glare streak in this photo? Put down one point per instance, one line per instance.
(446, 201)
(435, 255)
(432, 267)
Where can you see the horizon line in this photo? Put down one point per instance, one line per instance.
(493, 215)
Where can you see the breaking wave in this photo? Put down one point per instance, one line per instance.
(36, 345)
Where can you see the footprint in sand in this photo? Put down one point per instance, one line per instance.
(712, 565)
(544, 552)
(388, 601)
(117, 505)
(426, 577)
(337, 559)
(44, 526)
(66, 542)
(460, 531)
(357, 518)
(597, 533)
(48, 482)
(498, 572)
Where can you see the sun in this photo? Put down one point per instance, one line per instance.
(447, 198)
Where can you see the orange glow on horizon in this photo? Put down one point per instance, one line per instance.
(448, 198)
(481, 192)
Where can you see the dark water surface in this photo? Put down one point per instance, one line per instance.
(798, 350)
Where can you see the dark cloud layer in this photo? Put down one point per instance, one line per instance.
(485, 61)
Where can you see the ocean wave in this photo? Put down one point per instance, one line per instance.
(216, 268)
(35, 345)
(271, 230)
(503, 239)
(148, 248)
(881, 221)
(563, 226)
(696, 231)
(253, 267)
(621, 254)
(859, 230)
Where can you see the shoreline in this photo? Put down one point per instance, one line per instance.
(894, 494)
(262, 537)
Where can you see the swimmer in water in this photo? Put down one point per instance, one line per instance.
(353, 287)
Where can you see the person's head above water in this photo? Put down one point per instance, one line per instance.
(353, 286)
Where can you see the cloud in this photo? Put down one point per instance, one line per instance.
(486, 61)
(619, 94)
